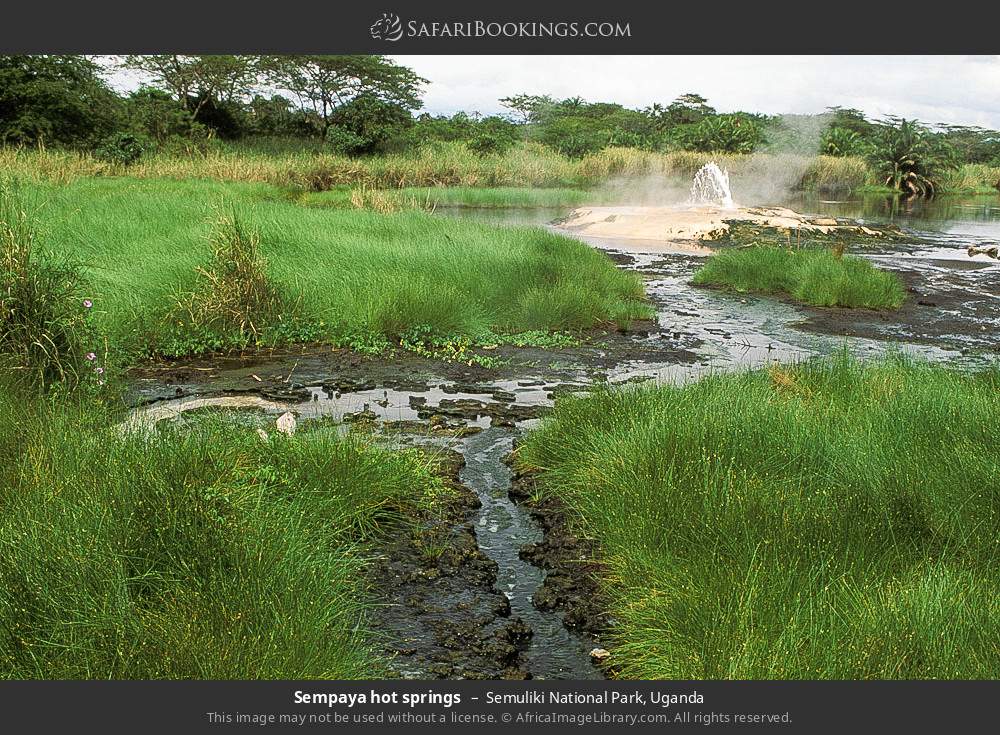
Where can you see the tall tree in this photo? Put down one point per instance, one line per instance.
(527, 107)
(55, 99)
(689, 108)
(197, 80)
(324, 83)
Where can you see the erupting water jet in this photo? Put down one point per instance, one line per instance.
(711, 186)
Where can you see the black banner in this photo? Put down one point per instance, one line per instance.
(514, 26)
(405, 706)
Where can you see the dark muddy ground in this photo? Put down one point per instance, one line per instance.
(499, 586)
(572, 563)
(441, 614)
(950, 304)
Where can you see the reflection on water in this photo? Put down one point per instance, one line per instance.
(975, 216)
(510, 216)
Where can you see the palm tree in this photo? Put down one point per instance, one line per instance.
(842, 142)
(909, 157)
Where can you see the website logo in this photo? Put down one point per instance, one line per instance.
(390, 28)
(387, 28)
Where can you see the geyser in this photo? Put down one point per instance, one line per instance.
(711, 186)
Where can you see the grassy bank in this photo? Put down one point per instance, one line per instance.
(205, 553)
(831, 520)
(812, 276)
(454, 165)
(972, 178)
(441, 165)
(183, 266)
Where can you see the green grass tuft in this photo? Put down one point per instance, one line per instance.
(43, 308)
(831, 520)
(817, 277)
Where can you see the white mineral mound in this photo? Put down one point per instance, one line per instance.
(674, 226)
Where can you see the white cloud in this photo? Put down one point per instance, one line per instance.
(935, 89)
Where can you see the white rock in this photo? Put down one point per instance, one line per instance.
(286, 423)
(599, 654)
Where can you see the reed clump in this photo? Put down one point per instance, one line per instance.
(236, 290)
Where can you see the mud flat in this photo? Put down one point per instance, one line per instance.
(656, 229)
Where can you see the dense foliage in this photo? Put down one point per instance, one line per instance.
(54, 99)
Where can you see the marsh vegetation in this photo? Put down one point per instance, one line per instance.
(819, 277)
(825, 520)
(176, 268)
(200, 552)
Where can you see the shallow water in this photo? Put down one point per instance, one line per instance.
(731, 331)
(740, 331)
(973, 216)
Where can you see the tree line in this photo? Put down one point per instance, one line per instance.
(366, 104)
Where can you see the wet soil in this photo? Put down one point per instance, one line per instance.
(949, 304)
(572, 583)
(286, 374)
(440, 613)
(472, 593)
(952, 313)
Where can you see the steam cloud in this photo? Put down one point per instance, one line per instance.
(769, 177)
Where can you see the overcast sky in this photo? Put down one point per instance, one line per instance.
(936, 89)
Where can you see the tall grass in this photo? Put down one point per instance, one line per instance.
(235, 295)
(42, 306)
(430, 198)
(836, 174)
(440, 165)
(817, 277)
(347, 273)
(203, 553)
(974, 178)
(834, 519)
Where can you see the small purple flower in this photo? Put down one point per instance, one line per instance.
(87, 303)
(91, 357)
(99, 370)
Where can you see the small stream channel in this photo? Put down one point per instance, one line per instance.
(502, 528)
(554, 652)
